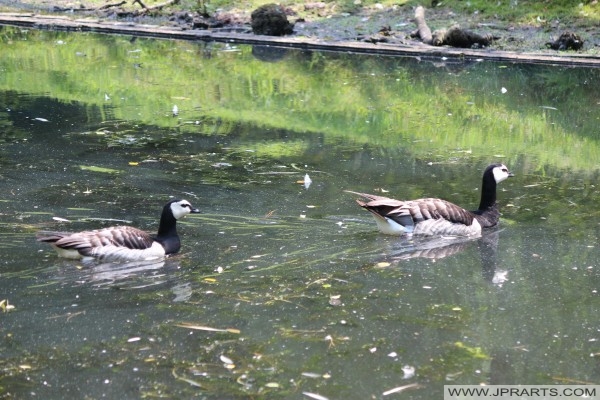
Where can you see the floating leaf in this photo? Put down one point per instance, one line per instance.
(409, 371)
(311, 374)
(99, 169)
(474, 352)
(225, 359)
(184, 379)
(335, 300)
(133, 163)
(222, 165)
(206, 328)
(4, 306)
(401, 389)
(307, 181)
(314, 396)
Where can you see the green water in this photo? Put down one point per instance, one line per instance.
(306, 295)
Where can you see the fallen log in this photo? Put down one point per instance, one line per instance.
(454, 36)
(423, 30)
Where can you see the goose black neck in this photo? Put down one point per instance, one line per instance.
(168, 224)
(488, 193)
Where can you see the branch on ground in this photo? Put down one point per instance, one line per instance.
(423, 30)
(454, 36)
(156, 6)
(107, 6)
(104, 7)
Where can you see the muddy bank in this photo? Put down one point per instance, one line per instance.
(337, 33)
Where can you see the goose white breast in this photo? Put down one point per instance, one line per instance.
(432, 216)
(123, 243)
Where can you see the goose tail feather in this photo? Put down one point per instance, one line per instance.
(51, 236)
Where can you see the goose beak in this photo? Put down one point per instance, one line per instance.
(510, 174)
(194, 211)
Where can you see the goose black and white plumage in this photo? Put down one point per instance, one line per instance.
(431, 216)
(123, 243)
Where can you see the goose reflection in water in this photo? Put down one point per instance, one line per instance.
(442, 247)
(133, 275)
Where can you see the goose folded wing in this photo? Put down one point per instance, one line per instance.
(441, 209)
(122, 236)
(413, 211)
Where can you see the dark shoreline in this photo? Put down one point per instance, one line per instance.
(57, 23)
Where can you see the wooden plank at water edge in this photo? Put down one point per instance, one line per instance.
(34, 21)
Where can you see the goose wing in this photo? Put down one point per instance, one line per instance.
(117, 236)
(424, 209)
(409, 213)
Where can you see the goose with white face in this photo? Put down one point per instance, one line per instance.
(433, 216)
(123, 243)
(501, 173)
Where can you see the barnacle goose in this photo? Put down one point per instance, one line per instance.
(432, 216)
(123, 243)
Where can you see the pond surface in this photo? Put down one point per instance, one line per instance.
(282, 291)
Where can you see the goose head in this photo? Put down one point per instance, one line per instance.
(181, 208)
(499, 172)
(172, 211)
